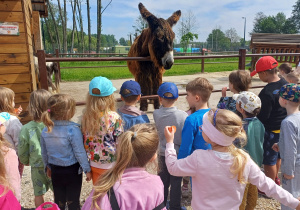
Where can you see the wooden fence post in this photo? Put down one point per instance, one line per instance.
(202, 62)
(58, 63)
(42, 69)
(242, 59)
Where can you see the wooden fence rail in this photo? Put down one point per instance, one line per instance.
(42, 59)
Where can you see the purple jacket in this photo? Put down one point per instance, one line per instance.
(138, 190)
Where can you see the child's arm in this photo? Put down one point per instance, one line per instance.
(44, 154)
(12, 172)
(289, 155)
(268, 186)
(183, 167)
(23, 147)
(14, 131)
(187, 139)
(266, 108)
(76, 140)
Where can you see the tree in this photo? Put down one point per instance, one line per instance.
(217, 41)
(187, 23)
(140, 25)
(233, 37)
(295, 19)
(186, 39)
(273, 24)
(122, 41)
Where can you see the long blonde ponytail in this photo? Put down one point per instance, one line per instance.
(231, 125)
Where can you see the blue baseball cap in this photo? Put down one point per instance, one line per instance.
(4, 116)
(133, 87)
(168, 87)
(101, 86)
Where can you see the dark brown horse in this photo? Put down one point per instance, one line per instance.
(155, 41)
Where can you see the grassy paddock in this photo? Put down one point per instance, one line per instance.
(123, 72)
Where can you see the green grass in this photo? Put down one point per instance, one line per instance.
(86, 74)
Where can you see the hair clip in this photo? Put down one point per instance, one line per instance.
(49, 110)
(133, 136)
(215, 115)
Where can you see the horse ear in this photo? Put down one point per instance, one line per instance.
(148, 16)
(174, 18)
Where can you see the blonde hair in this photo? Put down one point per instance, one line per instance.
(230, 124)
(3, 180)
(135, 148)
(60, 107)
(200, 86)
(38, 103)
(7, 100)
(96, 108)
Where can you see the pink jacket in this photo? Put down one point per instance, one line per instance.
(8, 201)
(213, 184)
(12, 171)
(138, 190)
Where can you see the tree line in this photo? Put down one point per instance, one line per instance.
(58, 36)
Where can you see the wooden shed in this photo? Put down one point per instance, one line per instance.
(275, 43)
(20, 37)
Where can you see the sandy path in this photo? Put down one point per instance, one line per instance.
(79, 90)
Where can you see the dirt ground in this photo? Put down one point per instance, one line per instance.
(79, 90)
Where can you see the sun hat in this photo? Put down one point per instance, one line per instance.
(101, 86)
(168, 87)
(4, 116)
(248, 101)
(290, 92)
(263, 64)
(133, 87)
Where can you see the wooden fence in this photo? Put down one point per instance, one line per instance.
(42, 59)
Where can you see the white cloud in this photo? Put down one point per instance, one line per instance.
(121, 14)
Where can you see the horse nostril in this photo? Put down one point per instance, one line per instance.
(168, 65)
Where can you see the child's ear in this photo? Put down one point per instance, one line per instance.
(122, 98)
(139, 97)
(197, 97)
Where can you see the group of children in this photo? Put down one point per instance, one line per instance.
(221, 150)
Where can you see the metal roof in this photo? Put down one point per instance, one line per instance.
(41, 6)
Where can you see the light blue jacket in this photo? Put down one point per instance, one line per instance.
(64, 145)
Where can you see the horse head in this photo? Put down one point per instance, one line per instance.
(161, 38)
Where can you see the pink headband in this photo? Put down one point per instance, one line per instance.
(214, 134)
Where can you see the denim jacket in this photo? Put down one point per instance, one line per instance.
(64, 145)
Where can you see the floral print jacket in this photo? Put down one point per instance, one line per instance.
(101, 148)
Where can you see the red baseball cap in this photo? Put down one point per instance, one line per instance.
(263, 64)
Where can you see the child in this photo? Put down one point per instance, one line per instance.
(127, 182)
(198, 93)
(168, 115)
(13, 125)
(220, 175)
(285, 69)
(63, 152)
(131, 93)
(292, 77)
(238, 81)
(289, 141)
(9, 159)
(249, 104)
(29, 148)
(7, 198)
(101, 126)
(271, 113)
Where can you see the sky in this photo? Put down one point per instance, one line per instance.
(120, 15)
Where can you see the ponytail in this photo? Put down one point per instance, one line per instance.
(135, 148)
(46, 119)
(231, 125)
